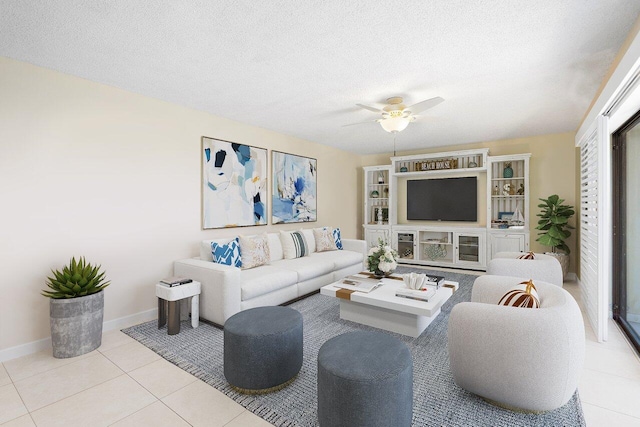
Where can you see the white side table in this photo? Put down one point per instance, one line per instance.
(169, 303)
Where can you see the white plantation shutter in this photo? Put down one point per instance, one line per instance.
(595, 230)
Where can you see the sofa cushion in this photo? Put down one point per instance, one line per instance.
(340, 259)
(294, 245)
(324, 239)
(265, 279)
(275, 247)
(254, 251)
(307, 267)
(311, 241)
(227, 254)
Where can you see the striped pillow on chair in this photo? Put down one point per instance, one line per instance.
(524, 295)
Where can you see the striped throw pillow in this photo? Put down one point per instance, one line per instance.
(294, 245)
(524, 295)
(528, 255)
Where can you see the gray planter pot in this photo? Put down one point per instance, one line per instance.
(564, 262)
(76, 325)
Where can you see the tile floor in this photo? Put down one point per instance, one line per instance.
(125, 384)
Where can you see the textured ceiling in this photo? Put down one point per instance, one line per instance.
(506, 68)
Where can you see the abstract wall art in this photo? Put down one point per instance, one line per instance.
(234, 184)
(294, 189)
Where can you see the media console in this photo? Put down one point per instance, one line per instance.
(458, 247)
(502, 224)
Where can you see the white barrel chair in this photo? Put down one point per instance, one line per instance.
(527, 359)
(543, 267)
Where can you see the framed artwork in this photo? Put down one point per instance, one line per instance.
(505, 216)
(294, 191)
(234, 184)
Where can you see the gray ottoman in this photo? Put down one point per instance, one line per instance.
(365, 379)
(262, 349)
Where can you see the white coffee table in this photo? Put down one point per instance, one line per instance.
(382, 309)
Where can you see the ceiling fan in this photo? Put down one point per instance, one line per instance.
(396, 116)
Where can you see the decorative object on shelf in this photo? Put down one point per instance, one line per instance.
(234, 184)
(440, 164)
(379, 215)
(517, 219)
(382, 259)
(404, 169)
(507, 172)
(374, 194)
(472, 164)
(380, 177)
(521, 190)
(506, 189)
(435, 252)
(505, 216)
(553, 223)
(512, 190)
(496, 191)
(76, 308)
(385, 192)
(294, 192)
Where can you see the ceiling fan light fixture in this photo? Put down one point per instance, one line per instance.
(395, 124)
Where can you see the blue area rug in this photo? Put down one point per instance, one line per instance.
(438, 401)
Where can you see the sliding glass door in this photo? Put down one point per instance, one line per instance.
(626, 228)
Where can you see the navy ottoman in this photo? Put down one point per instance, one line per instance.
(262, 349)
(365, 379)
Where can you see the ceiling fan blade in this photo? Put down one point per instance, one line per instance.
(374, 109)
(361, 123)
(425, 105)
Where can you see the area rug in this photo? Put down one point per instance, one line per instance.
(438, 401)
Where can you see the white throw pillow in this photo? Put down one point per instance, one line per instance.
(311, 241)
(324, 240)
(294, 244)
(254, 250)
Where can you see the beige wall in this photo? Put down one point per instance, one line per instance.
(551, 171)
(88, 169)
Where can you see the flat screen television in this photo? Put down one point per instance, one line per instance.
(446, 199)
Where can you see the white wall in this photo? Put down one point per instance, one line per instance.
(88, 169)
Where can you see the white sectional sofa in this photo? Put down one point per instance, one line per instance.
(227, 290)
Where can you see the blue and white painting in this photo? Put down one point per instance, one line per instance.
(234, 184)
(294, 188)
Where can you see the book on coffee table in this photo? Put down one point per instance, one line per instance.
(360, 284)
(419, 295)
(436, 281)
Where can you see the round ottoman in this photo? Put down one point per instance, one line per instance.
(262, 349)
(365, 379)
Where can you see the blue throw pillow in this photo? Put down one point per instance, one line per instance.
(228, 254)
(337, 238)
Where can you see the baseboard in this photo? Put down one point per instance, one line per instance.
(25, 349)
(134, 319)
(45, 343)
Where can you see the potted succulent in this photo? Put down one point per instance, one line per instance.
(554, 225)
(382, 259)
(76, 308)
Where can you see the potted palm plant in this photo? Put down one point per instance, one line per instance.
(554, 225)
(76, 308)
